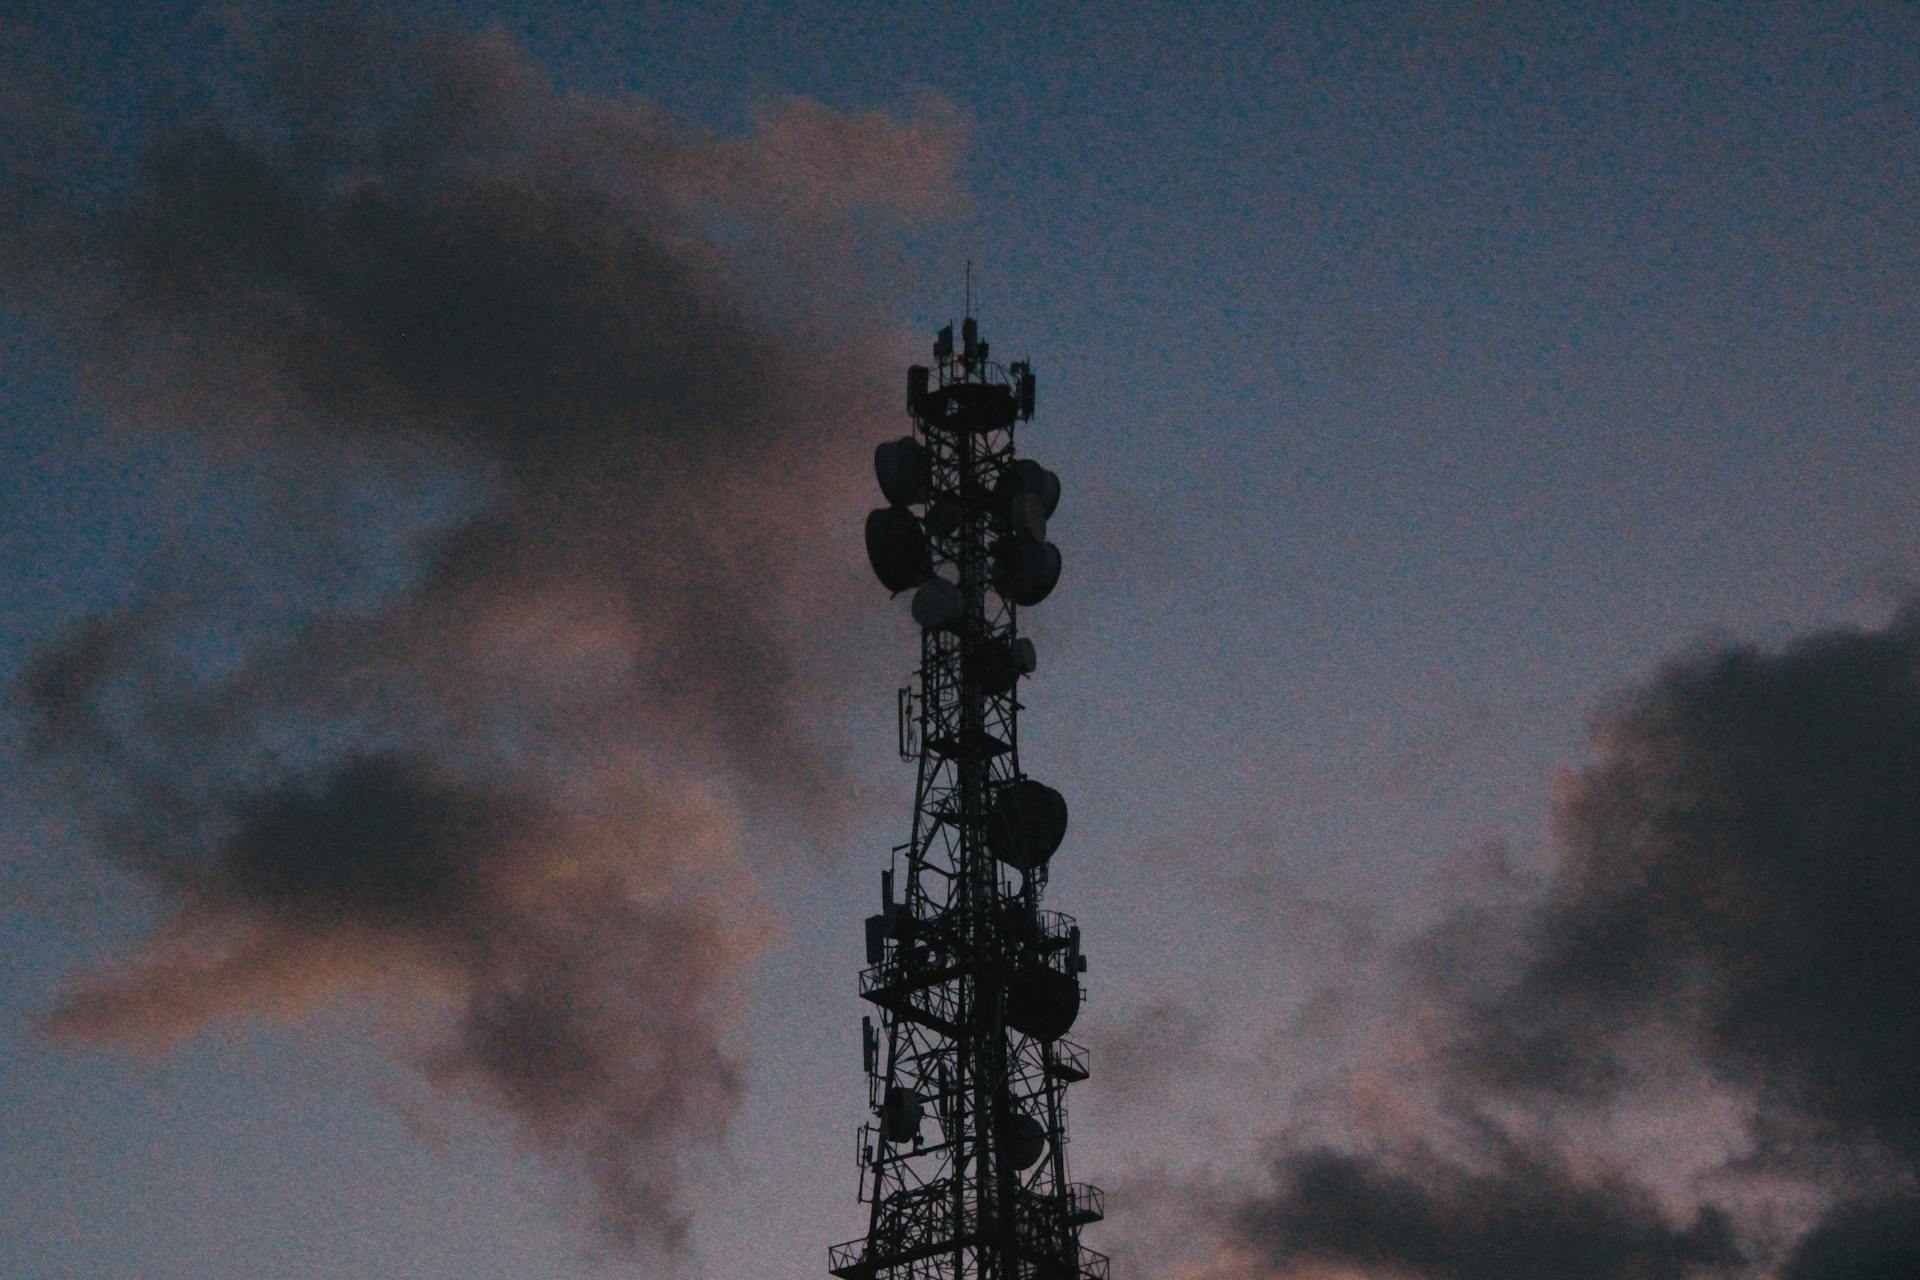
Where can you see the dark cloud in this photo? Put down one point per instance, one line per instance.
(61, 685)
(1877, 1238)
(514, 786)
(1726, 941)
(1739, 867)
(1418, 1215)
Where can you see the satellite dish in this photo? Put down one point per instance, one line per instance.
(897, 549)
(1027, 572)
(1025, 1139)
(1027, 517)
(902, 469)
(1043, 1002)
(1027, 476)
(938, 605)
(1027, 824)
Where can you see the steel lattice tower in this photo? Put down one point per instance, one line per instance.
(964, 1159)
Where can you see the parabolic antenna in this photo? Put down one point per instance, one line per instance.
(1028, 822)
(1026, 1140)
(902, 468)
(938, 605)
(1028, 476)
(1043, 1002)
(897, 549)
(1026, 572)
(1027, 517)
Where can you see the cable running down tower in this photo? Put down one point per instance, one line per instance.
(964, 1158)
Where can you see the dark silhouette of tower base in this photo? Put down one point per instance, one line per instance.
(964, 1159)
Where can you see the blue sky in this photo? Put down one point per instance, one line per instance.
(1420, 376)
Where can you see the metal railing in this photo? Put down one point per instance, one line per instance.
(1066, 1060)
(849, 1260)
(1085, 1203)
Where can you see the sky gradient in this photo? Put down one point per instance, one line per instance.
(1483, 678)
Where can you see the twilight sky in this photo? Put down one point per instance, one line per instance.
(448, 732)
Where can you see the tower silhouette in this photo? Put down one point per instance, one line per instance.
(964, 1157)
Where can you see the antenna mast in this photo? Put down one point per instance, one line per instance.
(963, 1159)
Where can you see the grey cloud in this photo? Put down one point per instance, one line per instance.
(1739, 863)
(1527, 1214)
(517, 785)
(1860, 1239)
(1733, 904)
(587, 1004)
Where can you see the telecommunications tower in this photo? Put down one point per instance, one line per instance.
(964, 1157)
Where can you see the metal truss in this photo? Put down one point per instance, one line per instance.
(964, 1160)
